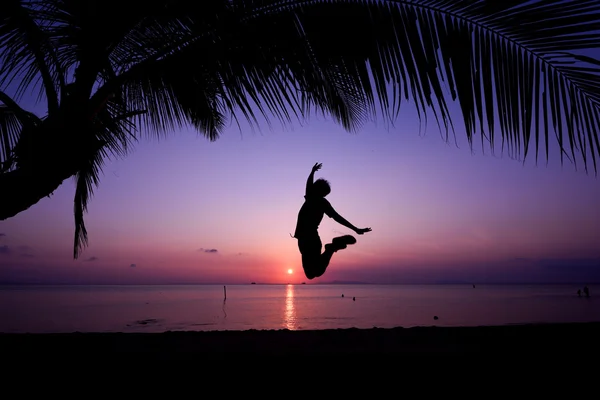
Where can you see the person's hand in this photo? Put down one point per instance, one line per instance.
(364, 230)
(316, 167)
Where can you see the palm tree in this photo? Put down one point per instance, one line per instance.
(109, 72)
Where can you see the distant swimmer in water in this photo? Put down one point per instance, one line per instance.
(309, 218)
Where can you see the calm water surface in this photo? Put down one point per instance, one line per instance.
(163, 308)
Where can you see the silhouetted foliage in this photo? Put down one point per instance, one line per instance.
(110, 70)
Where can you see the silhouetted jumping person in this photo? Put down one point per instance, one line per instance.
(309, 218)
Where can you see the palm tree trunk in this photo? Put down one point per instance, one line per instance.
(22, 188)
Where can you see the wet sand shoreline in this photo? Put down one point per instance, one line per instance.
(507, 339)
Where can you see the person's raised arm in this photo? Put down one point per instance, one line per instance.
(311, 177)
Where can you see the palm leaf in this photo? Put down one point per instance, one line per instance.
(85, 180)
(10, 127)
(12, 120)
(510, 65)
(234, 75)
(26, 52)
(496, 58)
(114, 133)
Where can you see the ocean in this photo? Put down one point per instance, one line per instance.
(55, 309)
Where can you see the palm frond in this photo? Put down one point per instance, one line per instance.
(12, 120)
(10, 127)
(26, 51)
(115, 129)
(239, 71)
(114, 132)
(87, 178)
(85, 34)
(510, 65)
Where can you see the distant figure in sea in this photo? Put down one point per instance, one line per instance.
(586, 291)
(579, 292)
(309, 217)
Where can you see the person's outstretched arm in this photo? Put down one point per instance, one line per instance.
(342, 221)
(311, 177)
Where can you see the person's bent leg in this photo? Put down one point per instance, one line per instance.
(310, 248)
(323, 261)
(313, 262)
(337, 243)
(311, 266)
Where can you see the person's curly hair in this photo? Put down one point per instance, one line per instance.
(321, 188)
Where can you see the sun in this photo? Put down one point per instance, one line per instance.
(290, 271)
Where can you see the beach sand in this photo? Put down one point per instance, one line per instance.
(512, 339)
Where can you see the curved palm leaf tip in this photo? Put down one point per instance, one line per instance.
(164, 64)
(510, 64)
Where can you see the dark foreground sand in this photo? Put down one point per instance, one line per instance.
(583, 339)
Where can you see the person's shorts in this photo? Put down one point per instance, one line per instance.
(310, 245)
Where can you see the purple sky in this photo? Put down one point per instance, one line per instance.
(185, 210)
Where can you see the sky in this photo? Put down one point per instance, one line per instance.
(184, 210)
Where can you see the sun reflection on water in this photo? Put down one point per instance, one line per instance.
(290, 311)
